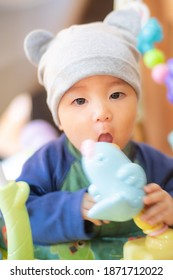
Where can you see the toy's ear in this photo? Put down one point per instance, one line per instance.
(87, 148)
(126, 19)
(36, 43)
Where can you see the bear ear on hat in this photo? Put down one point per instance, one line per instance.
(126, 19)
(36, 43)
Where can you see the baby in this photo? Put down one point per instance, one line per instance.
(91, 75)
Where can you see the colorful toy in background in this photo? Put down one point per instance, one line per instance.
(156, 245)
(170, 139)
(116, 183)
(161, 70)
(167, 78)
(151, 34)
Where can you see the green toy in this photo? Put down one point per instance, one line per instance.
(12, 205)
(79, 250)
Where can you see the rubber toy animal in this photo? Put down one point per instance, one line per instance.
(117, 184)
(156, 245)
(12, 205)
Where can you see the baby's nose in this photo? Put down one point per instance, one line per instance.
(102, 114)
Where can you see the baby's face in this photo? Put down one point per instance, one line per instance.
(101, 108)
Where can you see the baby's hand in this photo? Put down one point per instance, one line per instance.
(87, 203)
(158, 205)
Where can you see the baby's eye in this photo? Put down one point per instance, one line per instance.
(116, 95)
(79, 101)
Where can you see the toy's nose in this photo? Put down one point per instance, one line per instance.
(87, 148)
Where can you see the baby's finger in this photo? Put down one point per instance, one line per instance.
(154, 214)
(151, 188)
(96, 222)
(154, 197)
(87, 204)
(106, 221)
(85, 217)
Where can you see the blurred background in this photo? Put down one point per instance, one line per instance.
(17, 19)
(24, 100)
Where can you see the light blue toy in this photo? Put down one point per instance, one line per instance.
(150, 34)
(117, 184)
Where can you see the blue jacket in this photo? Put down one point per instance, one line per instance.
(57, 184)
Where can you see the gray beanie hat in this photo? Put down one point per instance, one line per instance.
(80, 51)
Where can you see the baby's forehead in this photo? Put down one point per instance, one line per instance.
(110, 80)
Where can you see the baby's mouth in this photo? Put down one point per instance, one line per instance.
(105, 137)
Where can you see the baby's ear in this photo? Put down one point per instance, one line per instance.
(36, 43)
(125, 19)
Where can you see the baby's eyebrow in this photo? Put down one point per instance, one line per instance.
(78, 86)
(76, 89)
(118, 82)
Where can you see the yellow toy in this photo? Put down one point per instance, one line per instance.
(156, 245)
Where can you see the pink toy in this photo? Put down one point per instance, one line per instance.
(159, 73)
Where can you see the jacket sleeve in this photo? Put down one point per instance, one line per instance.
(55, 215)
(158, 167)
